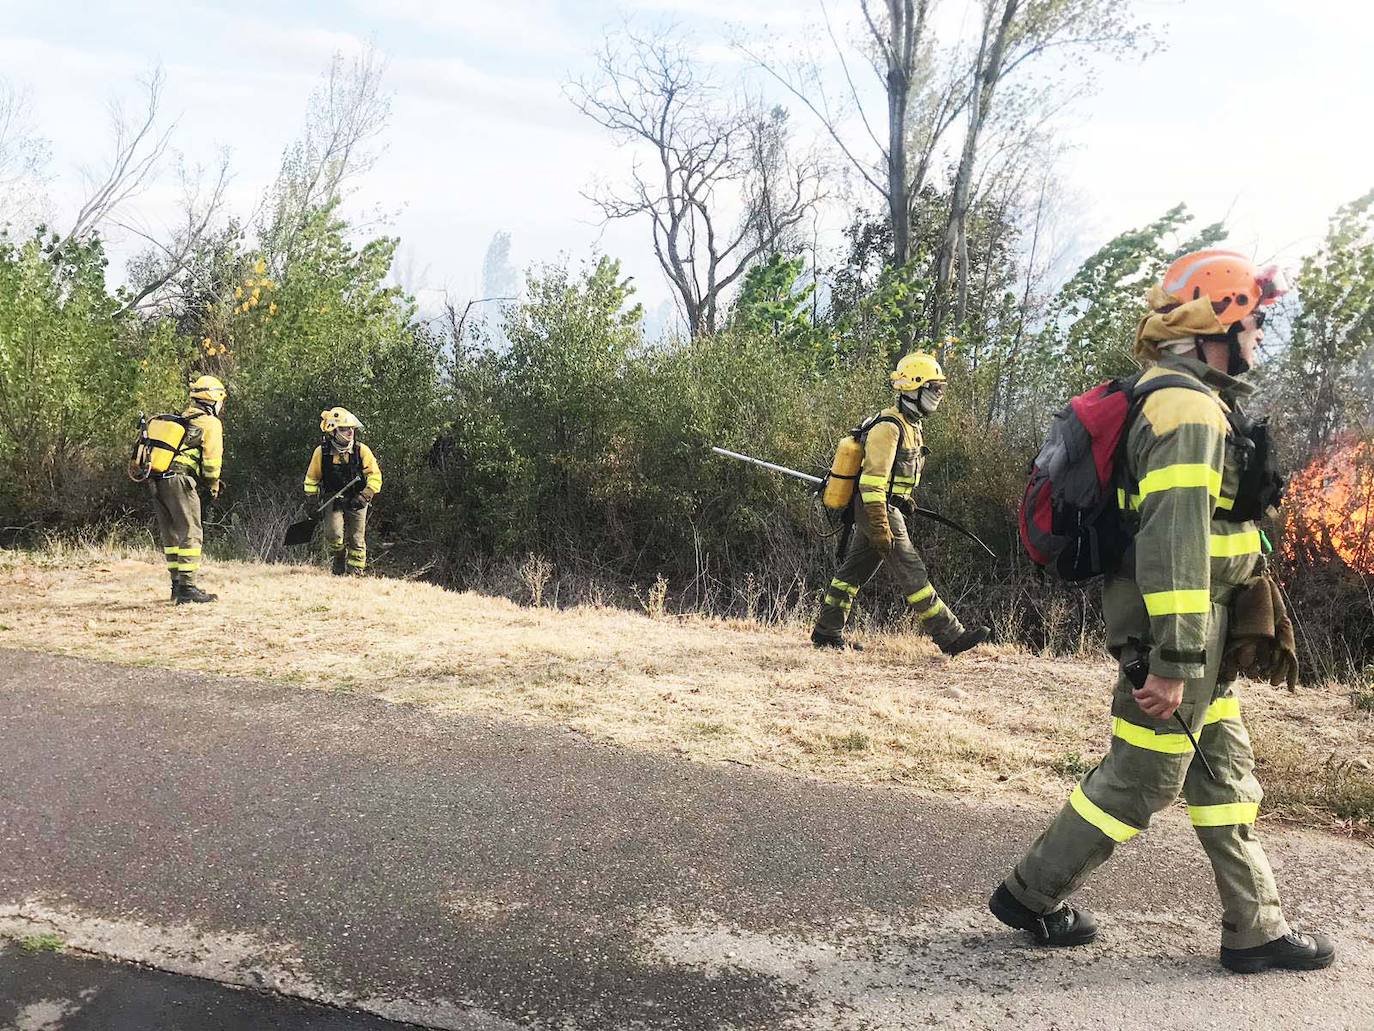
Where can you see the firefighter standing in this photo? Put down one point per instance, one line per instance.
(176, 502)
(893, 455)
(339, 459)
(1170, 602)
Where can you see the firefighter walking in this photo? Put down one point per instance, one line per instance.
(340, 459)
(1193, 569)
(893, 455)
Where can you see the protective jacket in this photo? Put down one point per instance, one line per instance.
(893, 455)
(1182, 470)
(205, 462)
(340, 469)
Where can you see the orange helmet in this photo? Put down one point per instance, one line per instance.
(1232, 282)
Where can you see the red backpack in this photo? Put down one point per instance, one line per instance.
(1069, 519)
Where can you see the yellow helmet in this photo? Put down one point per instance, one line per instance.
(332, 419)
(915, 370)
(208, 388)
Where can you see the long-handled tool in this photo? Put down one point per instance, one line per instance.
(1137, 672)
(816, 481)
(302, 530)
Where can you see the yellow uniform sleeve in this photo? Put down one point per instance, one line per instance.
(880, 451)
(211, 449)
(371, 470)
(314, 473)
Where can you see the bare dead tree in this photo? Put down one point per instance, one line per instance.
(921, 106)
(1012, 33)
(710, 152)
(171, 253)
(347, 113)
(23, 153)
(139, 147)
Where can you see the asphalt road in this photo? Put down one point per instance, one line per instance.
(46, 991)
(466, 873)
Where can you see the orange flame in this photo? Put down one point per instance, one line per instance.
(1331, 507)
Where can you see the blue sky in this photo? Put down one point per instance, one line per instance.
(1256, 111)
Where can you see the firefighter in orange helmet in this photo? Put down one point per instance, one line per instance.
(1196, 550)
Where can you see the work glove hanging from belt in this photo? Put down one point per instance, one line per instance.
(1260, 642)
(879, 530)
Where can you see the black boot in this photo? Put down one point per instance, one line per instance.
(1062, 926)
(1291, 952)
(821, 640)
(176, 585)
(968, 639)
(189, 592)
(339, 566)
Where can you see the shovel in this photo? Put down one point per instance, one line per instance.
(301, 532)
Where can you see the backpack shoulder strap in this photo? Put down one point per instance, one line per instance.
(863, 429)
(1140, 392)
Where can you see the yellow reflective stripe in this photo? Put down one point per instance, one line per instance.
(1223, 709)
(1233, 545)
(868, 497)
(1100, 818)
(925, 592)
(1226, 815)
(1226, 504)
(902, 492)
(873, 480)
(850, 589)
(1144, 737)
(904, 480)
(931, 612)
(1183, 475)
(1177, 603)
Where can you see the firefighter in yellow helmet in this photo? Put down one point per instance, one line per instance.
(893, 455)
(340, 459)
(176, 503)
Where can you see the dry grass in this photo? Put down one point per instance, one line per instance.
(992, 722)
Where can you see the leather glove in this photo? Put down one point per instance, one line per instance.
(882, 541)
(215, 488)
(1283, 666)
(879, 531)
(367, 495)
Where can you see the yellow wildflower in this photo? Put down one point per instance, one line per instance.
(238, 291)
(260, 266)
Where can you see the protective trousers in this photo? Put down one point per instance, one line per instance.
(341, 520)
(862, 560)
(1148, 763)
(177, 507)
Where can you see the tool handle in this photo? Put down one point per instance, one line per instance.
(320, 511)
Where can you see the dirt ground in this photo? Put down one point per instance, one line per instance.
(994, 722)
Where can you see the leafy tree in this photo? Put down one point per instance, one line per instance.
(1324, 374)
(72, 377)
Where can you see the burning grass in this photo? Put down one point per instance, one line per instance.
(994, 722)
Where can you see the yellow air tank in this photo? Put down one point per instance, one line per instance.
(166, 434)
(844, 473)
